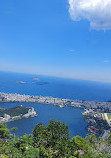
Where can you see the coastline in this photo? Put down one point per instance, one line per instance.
(93, 109)
(16, 113)
(104, 107)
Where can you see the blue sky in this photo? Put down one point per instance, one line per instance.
(61, 38)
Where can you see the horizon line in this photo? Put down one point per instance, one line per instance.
(72, 78)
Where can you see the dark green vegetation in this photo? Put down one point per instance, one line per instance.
(15, 111)
(52, 141)
(109, 116)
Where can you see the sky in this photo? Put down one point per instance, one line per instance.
(62, 38)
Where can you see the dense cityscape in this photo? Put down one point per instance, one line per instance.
(97, 114)
(94, 105)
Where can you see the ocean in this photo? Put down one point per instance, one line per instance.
(55, 87)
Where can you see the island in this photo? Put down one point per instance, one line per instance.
(21, 82)
(15, 113)
(97, 114)
(36, 79)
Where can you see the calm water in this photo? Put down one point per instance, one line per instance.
(56, 87)
(71, 116)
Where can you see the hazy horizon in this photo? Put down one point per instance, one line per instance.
(67, 38)
(36, 75)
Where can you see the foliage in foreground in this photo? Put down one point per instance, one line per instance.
(52, 141)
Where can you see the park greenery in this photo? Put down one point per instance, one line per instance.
(15, 111)
(52, 141)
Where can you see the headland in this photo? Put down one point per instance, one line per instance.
(95, 112)
(15, 113)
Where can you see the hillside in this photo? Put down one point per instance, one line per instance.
(52, 141)
(15, 111)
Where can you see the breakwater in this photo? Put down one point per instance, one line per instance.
(94, 105)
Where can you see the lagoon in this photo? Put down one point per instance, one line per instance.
(72, 117)
(55, 87)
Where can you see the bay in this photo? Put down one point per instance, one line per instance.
(72, 117)
(55, 87)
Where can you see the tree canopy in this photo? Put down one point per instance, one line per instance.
(52, 141)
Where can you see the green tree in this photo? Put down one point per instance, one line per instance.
(31, 153)
(50, 135)
(52, 141)
(4, 131)
(108, 139)
(23, 142)
(79, 146)
(54, 136)
(14, 129)
(92, 140)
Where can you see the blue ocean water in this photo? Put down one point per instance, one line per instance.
(55, 87)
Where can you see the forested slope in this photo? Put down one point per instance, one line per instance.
(52, 141)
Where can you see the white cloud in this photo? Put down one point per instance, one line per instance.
(97, 12)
